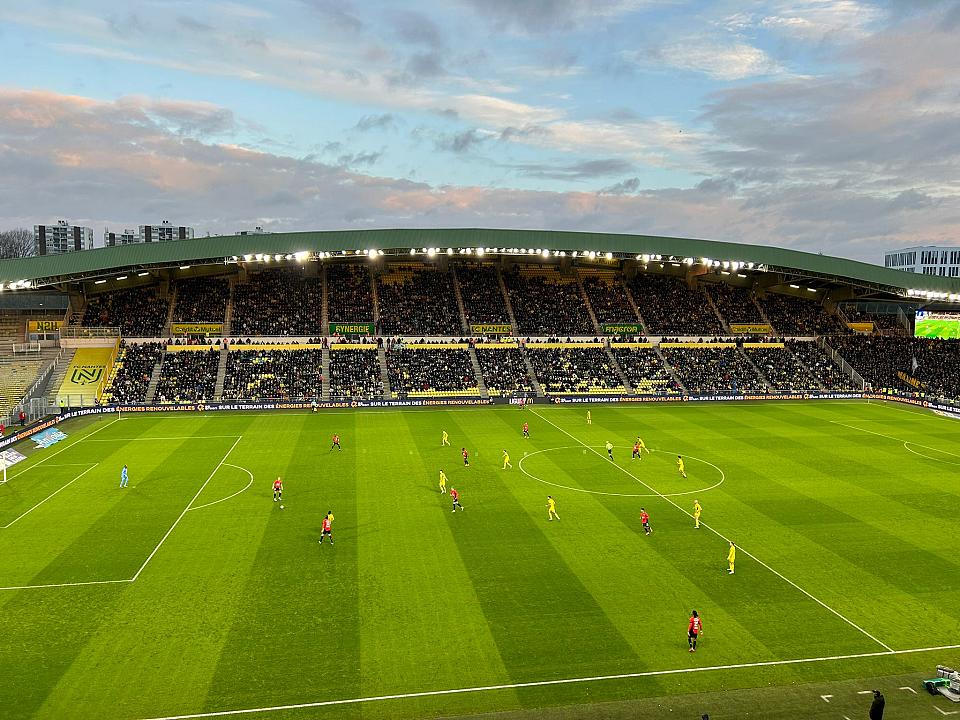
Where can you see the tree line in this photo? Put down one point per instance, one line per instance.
(17, 243)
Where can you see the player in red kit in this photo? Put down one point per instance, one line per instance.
(526, 430)
(636, 452)
(645, 521)
(694, 629)
(326, 528)
(336, 443)
(455, 496)
(277, 490)
(466, 457)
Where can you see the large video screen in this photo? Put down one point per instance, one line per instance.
(937, 325)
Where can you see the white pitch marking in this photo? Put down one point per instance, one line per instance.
(826, 698)
(177, 521)
(92, 466)
(906, 446)
(864, 692)
(724, 537)
(541, 683)
(70, 584)
(908, 689)
(723, 476)
(85, 437)
(183, 437)
(900, 440)
(944, 712)
(199, 507)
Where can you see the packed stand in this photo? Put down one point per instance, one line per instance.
(504, 371)
(188, 376)
(201, 300)
(290, 375)
(349, 295)
(782, 369)
(133, 370)
(714, 371)
(878, 359)
(483, 301)
(824, 369)
(608, 298)
(795, 317)
(355, 374)
(735, 304)
(138, 312)
(574, 371)
(544, 304)
(427, 372)
(669, 307)
(415, 301)
(276, 303)
(645, 371)
(881, 321)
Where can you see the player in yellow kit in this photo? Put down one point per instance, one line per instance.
(446, 439)
(589, 418)
(506, 461)
(443, 482)
(696, 513)
(731, 556)
(680, 466)
(552, 508)
(642, 445)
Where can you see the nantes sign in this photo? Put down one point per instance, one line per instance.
(352, 329)
(491, 329)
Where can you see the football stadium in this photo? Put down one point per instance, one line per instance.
(476, 473)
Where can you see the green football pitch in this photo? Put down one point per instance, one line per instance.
(191, 593)
(938, 329)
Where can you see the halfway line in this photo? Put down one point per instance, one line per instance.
(724, 537)
(541, 683)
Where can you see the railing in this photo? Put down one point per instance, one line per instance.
(844, 365)
(27, 347)
(73, 332)
(26, 402)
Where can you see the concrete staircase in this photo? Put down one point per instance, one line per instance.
(325, 314)
(616, 366)
(168, 328)
(463, 312)
(325, 367)
(376, 303)
(716, 311)
(478, 373)
(151, 395)
(56, 379)
(759, 372)
(806, 368)
(534, 382)
(586, 303)
(669, 369)
(506, 299)
(228, 315)
(221, 373)
(636, 308)
(384, 375)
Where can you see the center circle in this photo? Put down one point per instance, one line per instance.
(643, 482)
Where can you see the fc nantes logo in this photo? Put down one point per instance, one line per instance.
(86, 375)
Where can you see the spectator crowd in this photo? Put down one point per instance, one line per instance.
(349, 294)
(188, 376)
(417, 301)
(714, 371)
(573, 370)
(289, 375)
(608, 298)
(483, 301)
(504, 371)
(201, 300)
(645, 371)
(669, 307)
(792, 316)
(355, 374)
(423, 371)
(278, 302)
(139, 312)
(543, 305)
(735, 304)
(134, 368)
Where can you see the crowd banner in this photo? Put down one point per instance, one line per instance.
(237, 347)
(621, 329)
(863, 327)
(44, 326)
(348, 346)
(348, 328)
(696, 345)
(196, 328)
(751, 329)
(87, 372)
(491, 329)
(195, 348)
(637, 345)
(764, 345)
(911, 380)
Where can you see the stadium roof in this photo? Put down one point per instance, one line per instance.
(90, 264)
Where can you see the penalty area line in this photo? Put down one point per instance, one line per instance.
(716, 532)
(896, 439)
(55, 492)
(543, 683)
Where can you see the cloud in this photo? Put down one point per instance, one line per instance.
(624, 187)
(581, 170)
(539, 16)
(415, 28)
(385, 121)
(461, 142)
(339, 13)
(734, 61)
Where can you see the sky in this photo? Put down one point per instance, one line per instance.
(822, 125)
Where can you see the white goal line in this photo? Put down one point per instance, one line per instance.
(542, 683)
